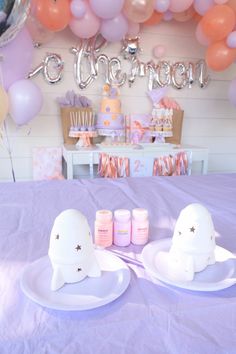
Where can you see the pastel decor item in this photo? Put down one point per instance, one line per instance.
(71, 250)
(138, 10)
(180, 6)
(21, 47)
(4, 105)
(122, 227)
(26, 101)
(53, 14)
(47, 163)
(193, 243)
(218, 22)
(140, 226)
(137, 128)
(86, 26)
(106, 9)
(103, 228)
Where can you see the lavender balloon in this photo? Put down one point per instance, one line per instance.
(231, 40)
(232, 92)
(115, 29)
(202, 6)
(78, 8)
(106, 9)
(17, 58)
(162, 5)
(25, 101)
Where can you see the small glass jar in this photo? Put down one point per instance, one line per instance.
(103, 231)
(140, 226)
(122, 227)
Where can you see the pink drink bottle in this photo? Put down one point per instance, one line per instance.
(103, 228)
(140, 226)
(122, 227)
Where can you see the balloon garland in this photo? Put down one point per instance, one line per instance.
(114, 20)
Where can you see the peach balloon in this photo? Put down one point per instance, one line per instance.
(180, 5)
(4, 105)
(218, 22)
(53, 14)
(185, 15)
(232, 4)
(154, 19)
(202, 39)
(219, 56)
(138, 11)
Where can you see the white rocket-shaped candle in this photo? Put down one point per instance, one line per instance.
(71, 249)
(193, 243)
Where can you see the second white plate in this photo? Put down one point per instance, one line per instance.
(87, 294)
(215, 277)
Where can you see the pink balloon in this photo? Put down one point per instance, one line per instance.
(202, 39)
(78, 8)
(25, 101)
(232, 92)
(159, 51)
(133, 29)
(202, 6)
(106, 9)
(87, 26)
(180, 5)
(115, 29)
(17, 58)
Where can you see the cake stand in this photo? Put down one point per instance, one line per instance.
(112, 135)
(84, 138)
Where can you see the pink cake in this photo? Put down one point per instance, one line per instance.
(110, 116)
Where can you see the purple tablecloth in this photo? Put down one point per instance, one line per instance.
(148, 317)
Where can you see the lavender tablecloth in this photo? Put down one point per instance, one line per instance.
(148, 317)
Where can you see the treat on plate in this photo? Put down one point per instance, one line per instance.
(193, 243)
(71, 249)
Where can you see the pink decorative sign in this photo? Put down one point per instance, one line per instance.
(47, 163)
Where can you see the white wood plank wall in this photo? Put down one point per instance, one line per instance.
(209, 118)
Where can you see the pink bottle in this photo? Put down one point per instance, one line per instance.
(140, 226)
(122, 227)
(103, 228)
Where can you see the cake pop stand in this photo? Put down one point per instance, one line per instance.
(84, 138)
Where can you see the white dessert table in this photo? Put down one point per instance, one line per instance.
(89, 157)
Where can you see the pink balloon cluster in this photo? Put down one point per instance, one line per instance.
(24, 96)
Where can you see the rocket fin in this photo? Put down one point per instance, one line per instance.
(94, 270)
(57, 279)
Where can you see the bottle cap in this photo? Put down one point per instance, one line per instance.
(104, 215)
(122, 214)
(140, 213)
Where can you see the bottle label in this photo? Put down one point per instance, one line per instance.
(140, 234)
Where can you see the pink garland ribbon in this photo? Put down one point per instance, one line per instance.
(113, 166)
(176, 165)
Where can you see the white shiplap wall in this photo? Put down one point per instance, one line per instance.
(209, 118)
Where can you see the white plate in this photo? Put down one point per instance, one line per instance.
(87, 294)
(215, 277)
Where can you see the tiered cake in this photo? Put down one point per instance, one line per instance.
(110, 120)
